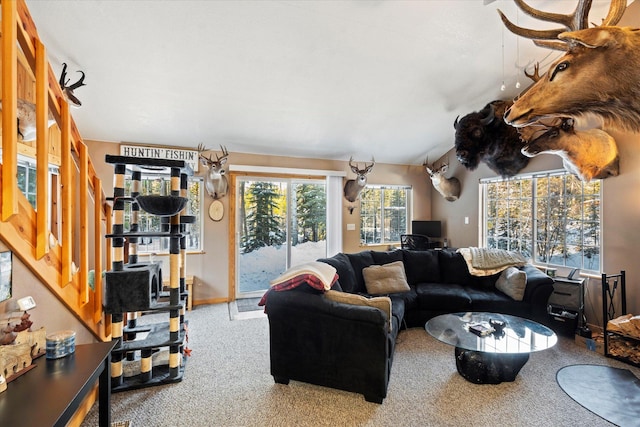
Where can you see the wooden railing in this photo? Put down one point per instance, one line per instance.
(59, 255)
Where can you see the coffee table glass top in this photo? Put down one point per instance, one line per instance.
(517, 336)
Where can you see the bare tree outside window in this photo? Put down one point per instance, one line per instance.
(553, 218)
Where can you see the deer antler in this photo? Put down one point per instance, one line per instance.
(225, 154)
(205, 161)
(536, 73)
(578, 20)
(67, 91)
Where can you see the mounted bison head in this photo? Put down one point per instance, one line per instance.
(484, 136)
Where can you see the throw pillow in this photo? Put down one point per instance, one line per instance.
(512, 282)
(383, 303)
(385, 279)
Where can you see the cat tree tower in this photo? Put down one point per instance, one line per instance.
(133, 287)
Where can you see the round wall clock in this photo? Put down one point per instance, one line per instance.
(216, 210)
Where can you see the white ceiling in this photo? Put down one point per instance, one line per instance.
(327, 79)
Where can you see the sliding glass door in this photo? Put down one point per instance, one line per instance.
(279, 223)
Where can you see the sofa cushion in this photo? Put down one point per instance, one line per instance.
(512, 282)
(382, 303)
(346, 275)
(385, 279)
(358, 262)
(397, 308)
(385, 257)
(443, 297)
(495, 301)
(453, 268)
(421, 266)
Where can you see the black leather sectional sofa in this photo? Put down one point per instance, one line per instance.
(350, 347)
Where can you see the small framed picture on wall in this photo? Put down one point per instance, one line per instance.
(5, 275)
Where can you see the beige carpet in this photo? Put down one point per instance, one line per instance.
(227, 383)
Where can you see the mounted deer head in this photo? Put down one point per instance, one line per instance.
(587, 154)
(67, 90)
(449, 188)
(353, 187)
(216, 181)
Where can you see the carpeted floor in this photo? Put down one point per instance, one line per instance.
(227, 383)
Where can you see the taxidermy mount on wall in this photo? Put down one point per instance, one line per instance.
(353, 187)
(484, 136)
(67, 89)
(449, 188)
(216, 181)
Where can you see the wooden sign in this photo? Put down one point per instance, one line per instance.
(156, 152)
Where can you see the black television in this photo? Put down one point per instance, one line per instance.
(427, 228)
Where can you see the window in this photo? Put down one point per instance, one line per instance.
(27, 177)
(554, 218)
(151, 223)
(27, 180)
(384, 212)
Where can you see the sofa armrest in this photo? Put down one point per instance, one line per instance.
(315, 340)
(539, 288)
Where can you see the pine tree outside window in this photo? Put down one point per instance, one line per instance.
(384, 213)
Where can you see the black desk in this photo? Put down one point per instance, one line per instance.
(50, 393)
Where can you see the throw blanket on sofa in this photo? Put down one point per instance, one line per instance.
(316, 274)
(486, 261)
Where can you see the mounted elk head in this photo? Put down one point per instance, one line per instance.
(67, 90)
(353, 187)
(215, 181)
(598, 77)
(484, 136)
(587, 154)
(449, 188)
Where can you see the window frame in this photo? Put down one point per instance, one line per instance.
(385, 232)
(528, 240)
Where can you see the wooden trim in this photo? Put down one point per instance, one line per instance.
(42, 153)
(8, 12)
(231, 238)
(210, 301)
(83, 154)
(67, 200)
(98, 239)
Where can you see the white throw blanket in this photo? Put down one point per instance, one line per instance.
(486, 261)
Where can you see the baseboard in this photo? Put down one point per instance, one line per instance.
(210, 301)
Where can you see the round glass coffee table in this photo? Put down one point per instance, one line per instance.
(497, 350)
